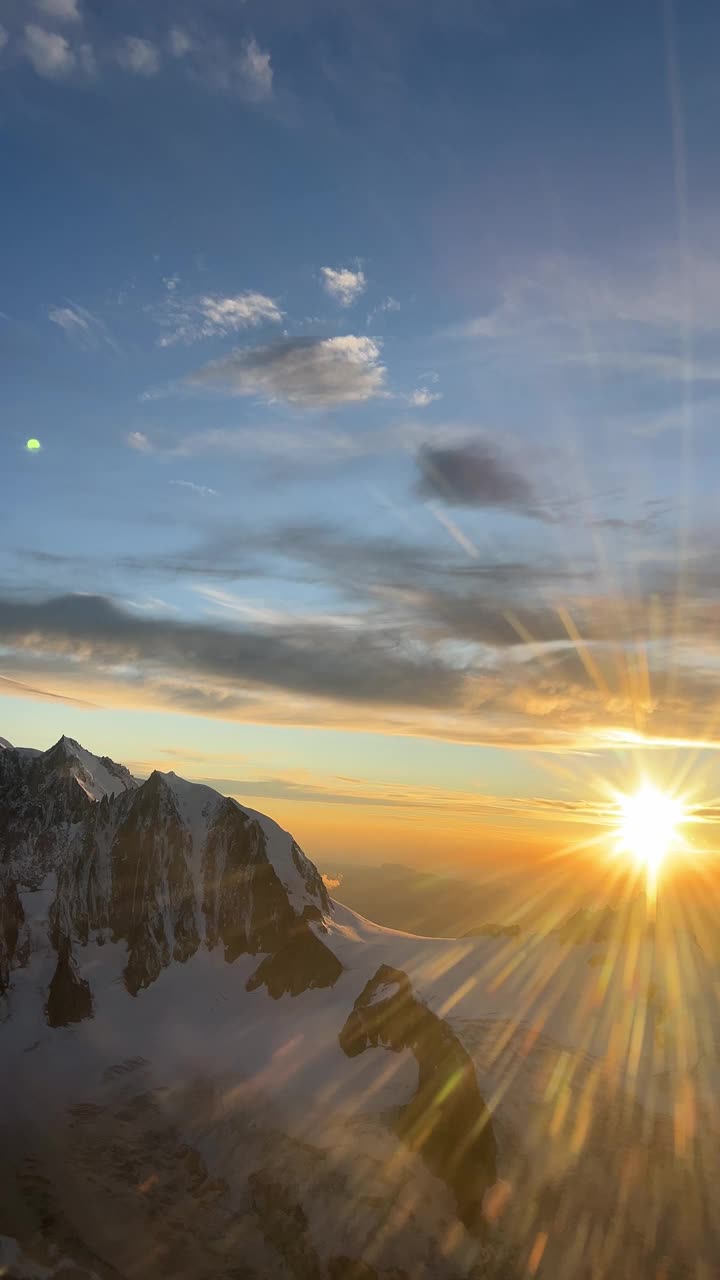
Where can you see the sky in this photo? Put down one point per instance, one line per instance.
(373, 351)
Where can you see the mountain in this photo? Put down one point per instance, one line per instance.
(210, 1069)
(140, 925)
(163, 866)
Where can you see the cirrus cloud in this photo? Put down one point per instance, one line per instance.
(214, 315)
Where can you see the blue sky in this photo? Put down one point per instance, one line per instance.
(373, 352)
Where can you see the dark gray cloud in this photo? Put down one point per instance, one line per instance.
(473, 475)
(325, 662)
(311, 372)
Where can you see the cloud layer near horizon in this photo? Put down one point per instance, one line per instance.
(418, 642)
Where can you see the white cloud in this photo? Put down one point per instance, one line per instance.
(139, 56)
(138, 440)
(179, 42)
(344, 285)
(49, 53)
(3, 37)
(215, 316)
(203, 490)
(312, 372)
(255, 69)
(422, 397)
(61, 10)
(81, 326)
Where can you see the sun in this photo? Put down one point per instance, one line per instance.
(648, 822)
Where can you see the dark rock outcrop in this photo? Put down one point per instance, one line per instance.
(69, 996)
(447, 1121)
(300, 962)
(11, 921)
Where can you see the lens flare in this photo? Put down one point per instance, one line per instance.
(33, 445)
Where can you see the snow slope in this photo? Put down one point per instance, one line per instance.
(167, 915)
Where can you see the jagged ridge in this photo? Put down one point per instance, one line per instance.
(164, 867)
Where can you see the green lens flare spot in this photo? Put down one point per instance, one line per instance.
(33, 445)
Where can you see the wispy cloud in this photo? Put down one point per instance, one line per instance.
(60, 10)
(245, 72)
(255, 71)
(421, 397)
(317, 445)
(213, 315)
(138, 55)
(179, 42)
(579, 308)
(139, 441)
(311, 372)
(203, 490)
(81, 327)
(343, 284)
(49, 52)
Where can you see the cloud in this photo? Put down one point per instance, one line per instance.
(138, 440)
(312, 372)
(179, 42)
(81, 327)
(214, 315)
(632, 316)
(218, 65)
(139, 56)
(410, 638)
(61, 10)
(256, 72)
(422, 397)
(15, 687)
(326, 663)
(386, 679)
(344, 285)
(49, 53)
(473, 475)
(202, 489)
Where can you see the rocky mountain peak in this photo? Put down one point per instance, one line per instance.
(163, 867)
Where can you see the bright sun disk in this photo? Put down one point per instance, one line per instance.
(647, 828)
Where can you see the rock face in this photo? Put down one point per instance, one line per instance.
(447, 1121)
(164, 867)
(69, 998)
(11, 920)
(43, 795)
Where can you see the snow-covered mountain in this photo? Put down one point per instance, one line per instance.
(164, 866)
(149, 923)
(210, 1069)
